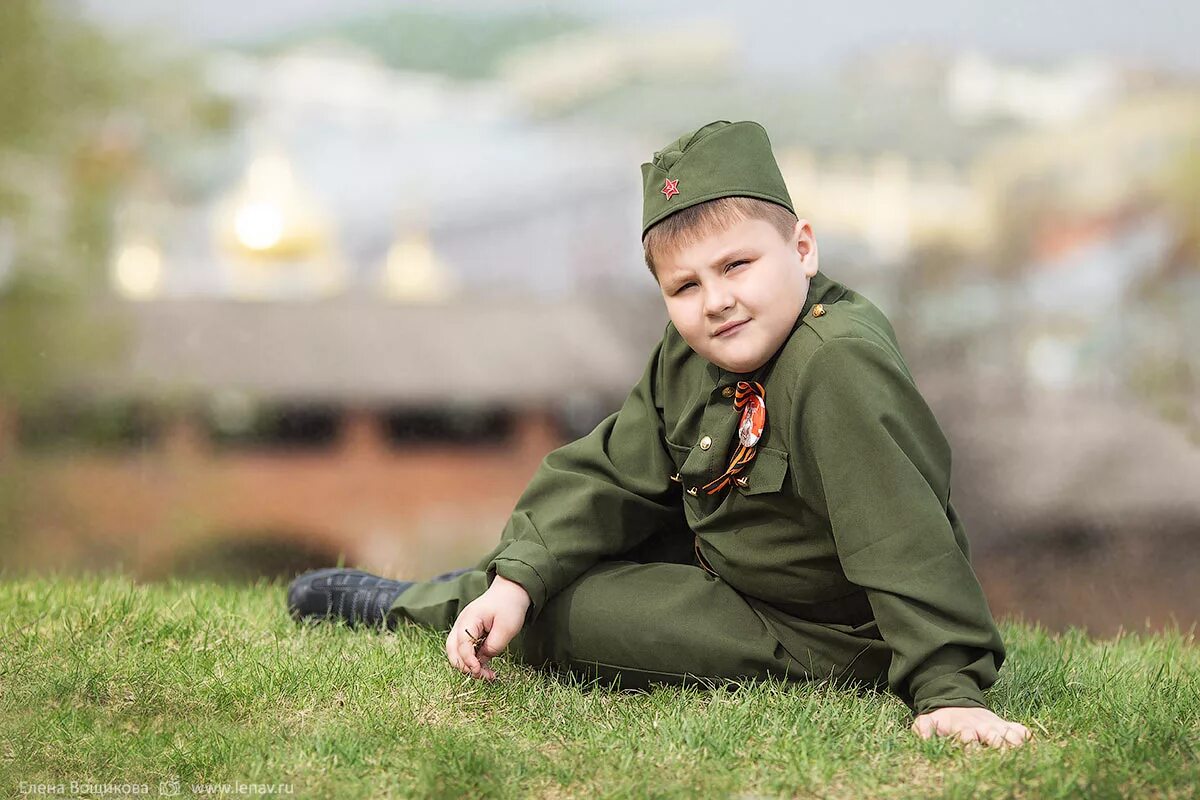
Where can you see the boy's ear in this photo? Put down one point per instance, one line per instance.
(806, 245)
(802, 237)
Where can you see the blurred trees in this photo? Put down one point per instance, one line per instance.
(57, 80)
(1182, 196)
(82, 114)
(464, 46)
(1167, 370)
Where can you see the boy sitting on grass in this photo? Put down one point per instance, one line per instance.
(772, 500)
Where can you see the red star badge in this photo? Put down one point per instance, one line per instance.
(669, 188)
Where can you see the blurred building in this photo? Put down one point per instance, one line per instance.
(290, 433)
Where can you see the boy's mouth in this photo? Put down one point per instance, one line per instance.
(730, 327)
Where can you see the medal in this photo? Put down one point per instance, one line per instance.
(754, 417)
(751, 399)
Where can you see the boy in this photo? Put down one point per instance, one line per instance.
(771, 500)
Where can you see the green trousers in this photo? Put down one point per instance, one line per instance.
(654, 616)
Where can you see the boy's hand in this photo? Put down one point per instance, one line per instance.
(971, 725)
(497, 614)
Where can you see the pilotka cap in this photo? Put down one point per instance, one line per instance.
(721, 159)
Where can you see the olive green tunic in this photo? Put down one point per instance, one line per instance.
(843, 533)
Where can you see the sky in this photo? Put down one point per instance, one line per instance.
(808, 37)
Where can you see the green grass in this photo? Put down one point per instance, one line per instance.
(106, 681)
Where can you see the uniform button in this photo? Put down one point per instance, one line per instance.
(818, 310)
(692, 491)
(676, 478)
(743, 482)
(706, 443)
(727, 391)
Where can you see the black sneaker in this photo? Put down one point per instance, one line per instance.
(358, 597)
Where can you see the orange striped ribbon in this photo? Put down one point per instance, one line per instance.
(744, 454)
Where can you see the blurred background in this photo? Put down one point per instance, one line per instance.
(283, 283)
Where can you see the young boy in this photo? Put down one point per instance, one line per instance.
(771, 500)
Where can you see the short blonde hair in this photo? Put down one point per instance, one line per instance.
(693, 223)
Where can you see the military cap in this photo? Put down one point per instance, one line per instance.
(721, 159)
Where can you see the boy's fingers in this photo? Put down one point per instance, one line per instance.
(921, 728)
(465, 652)
(451, 656)
(993, 738)
(466, 649)
(498, 638)
(453, 643)
(478, 660)
(1016, 734)
(1008, 734)
(454, 638)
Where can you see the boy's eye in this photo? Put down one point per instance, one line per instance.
(727, 268)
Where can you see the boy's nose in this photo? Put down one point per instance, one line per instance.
(717, 300)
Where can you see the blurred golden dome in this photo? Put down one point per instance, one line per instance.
(271, 215)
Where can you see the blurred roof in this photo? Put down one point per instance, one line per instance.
(1069, 462)
(473, 350)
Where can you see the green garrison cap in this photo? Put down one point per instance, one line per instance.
(721, 159)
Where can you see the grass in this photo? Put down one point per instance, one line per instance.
(109, 682)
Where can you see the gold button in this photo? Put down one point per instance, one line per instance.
(706, 443)
(676, 478)
(818, 310)
(692, 491)
(727, 391)
(743, 482)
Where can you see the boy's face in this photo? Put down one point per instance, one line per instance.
(746, 274)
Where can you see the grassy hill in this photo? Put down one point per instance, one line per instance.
(108, 682)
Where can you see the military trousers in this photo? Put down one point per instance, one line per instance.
(652, 616)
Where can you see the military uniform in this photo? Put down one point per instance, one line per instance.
(834, 553)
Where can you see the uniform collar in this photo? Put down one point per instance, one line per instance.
(821, 289)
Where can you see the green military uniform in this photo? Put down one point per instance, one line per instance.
(836, 553)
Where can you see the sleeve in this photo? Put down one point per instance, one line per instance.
(884, 468)
(593, 498)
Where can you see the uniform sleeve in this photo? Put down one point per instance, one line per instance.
(884, 468)
(593, 498)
